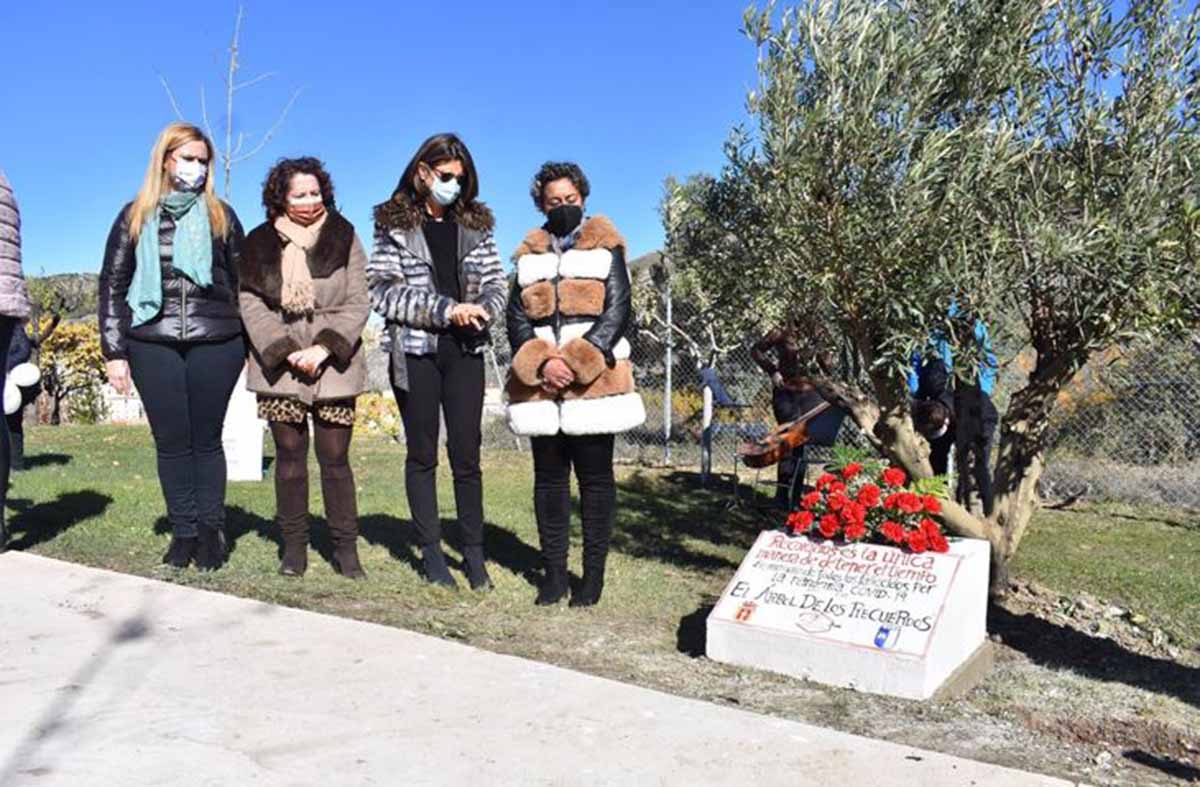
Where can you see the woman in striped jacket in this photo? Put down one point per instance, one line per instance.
(436, 278)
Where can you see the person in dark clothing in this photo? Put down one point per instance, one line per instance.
(792, 395)
(169, 324)
(436, 278)
(958, 412)
(19, 352)
(571, 385)
(14, 311)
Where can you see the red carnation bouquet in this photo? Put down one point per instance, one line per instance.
(859, 502)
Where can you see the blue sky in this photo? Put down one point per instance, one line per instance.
(633, 91)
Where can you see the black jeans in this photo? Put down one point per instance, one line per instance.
(7, 326)
(975, 420)
(592, 458)
(185, 389)
(450, 382)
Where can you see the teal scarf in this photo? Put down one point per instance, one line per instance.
(192, 254)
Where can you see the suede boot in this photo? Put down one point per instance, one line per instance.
(476, 566)
(181, 552)
(554, 585)
(433, 560)
(210, 549)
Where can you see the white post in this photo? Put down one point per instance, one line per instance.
(670, 362)
(706, 435)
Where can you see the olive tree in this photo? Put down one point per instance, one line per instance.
(1030, 162)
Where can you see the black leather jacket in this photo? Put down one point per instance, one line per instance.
(189, 313)
(609, 327)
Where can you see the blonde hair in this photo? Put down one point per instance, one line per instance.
(156, 183)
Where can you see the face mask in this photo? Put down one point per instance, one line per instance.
(305, 210)
(563, 220)
(190, 173)
(445, 192)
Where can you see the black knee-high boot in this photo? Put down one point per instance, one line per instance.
(598, 501)
(552, 507)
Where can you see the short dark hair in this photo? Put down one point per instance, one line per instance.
(557, 170)
(279, 180)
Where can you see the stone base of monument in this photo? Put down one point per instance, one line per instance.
(862, 616)
(242, 435)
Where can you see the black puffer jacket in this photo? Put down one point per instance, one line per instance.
(190, 313)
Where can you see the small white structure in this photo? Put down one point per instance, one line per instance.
(242, 435)
(863, 616)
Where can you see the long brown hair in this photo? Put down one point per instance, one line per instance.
(156, 183)
(404, 208)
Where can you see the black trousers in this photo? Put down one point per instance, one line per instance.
(450, 382)
(7, 326)
(185, 389)
(975, 419)
(592, 458)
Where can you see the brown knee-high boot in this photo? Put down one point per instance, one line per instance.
(341, 504)
(291, 495)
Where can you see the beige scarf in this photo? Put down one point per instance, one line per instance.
(298, 295)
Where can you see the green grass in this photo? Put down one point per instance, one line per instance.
(1145, 558)
(92, 497)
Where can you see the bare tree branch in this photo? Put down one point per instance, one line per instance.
(271, 131)
(170, 96)
(255, 81)
(204, 113)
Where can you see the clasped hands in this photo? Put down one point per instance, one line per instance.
(556, 375)
(309, 360)
(471, 315)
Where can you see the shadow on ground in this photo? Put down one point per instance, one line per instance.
(661, 518)
(1061, 647)
(37, 524)
(34, 461)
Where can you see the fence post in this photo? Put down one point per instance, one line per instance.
(667, 376)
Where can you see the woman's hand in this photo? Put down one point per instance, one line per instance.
(309, 361)
(119, 377)
(556, 374)
(470, 314)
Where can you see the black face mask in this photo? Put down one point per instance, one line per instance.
(561, 221)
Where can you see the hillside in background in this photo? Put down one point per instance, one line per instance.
(78, 290)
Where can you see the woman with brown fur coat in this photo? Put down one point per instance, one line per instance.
(304, 304)
(571, 384)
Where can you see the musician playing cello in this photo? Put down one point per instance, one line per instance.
(793, 393)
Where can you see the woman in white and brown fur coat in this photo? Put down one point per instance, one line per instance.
(571, 384)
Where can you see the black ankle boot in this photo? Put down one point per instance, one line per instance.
(181, 552)
(433, 560)
(554, 586)
(589, 590)
(295, 557)
(210, 549)
(346, 563)
(476, 566)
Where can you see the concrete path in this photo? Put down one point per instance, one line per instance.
(107, 679)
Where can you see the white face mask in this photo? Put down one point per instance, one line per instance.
(190, 173)
(311, 199)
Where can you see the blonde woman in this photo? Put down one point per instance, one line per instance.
(169, 324)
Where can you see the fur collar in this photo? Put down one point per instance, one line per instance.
(260, 269)
(401, 213)
(598, 232)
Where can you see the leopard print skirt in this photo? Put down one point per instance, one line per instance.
(293, 411)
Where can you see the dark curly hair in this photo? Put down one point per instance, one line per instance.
(557, 170)
(279, 180)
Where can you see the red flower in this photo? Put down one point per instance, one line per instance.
(825, 480)
(892, 501)
(800, 521)
(931, 504)
(929, 527)
(811, 500)
(892, 531)
(909, 503)
(894, 477)
(916, 541)
(837, 488)
(855, 531)
(829, 525)
(836, 501)
(869, 495)
(851, 470)
(854, 512)
(938, 542)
